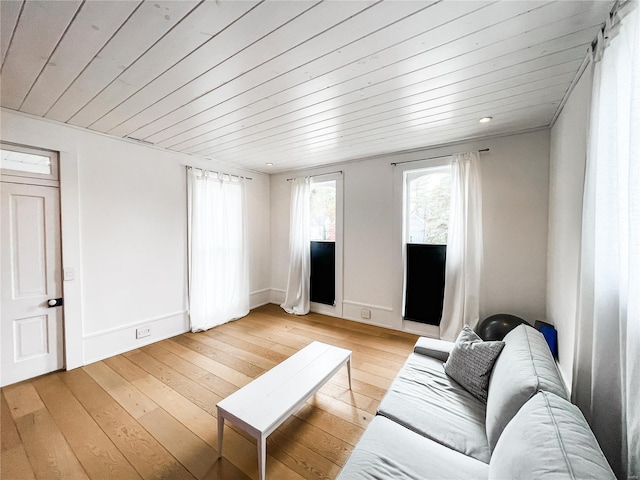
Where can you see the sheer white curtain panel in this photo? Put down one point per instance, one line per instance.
(218, 261)
(606, 380)
(464, 247)
(298, 283)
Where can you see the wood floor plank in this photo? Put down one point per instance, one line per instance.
(182, 409)
(330, 423)
(328, 445)
(400, 345)
(13, 458)
(205, 378)
(220, 370)
(22, 399)
(192, 341)
(176, 362)
(133, 401)
(151, 412)
(350, 413)
(190, 450)
(14, 464)
(359, 386)
(350, 397)
(197, 394)
(237, 331)
(49, 454)
(9, 432)
(246, 355)
(197, 420)
(360, 328)
(286, 447)
(91, 395)
(150, 459)
(97, 454)
(146, 454)
(377, 370)
(268, 351)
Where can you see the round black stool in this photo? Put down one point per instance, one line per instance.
(497, 326)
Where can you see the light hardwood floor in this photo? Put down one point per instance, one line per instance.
(150, 413)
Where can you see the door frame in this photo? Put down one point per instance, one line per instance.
(68, 176)
(47, 180)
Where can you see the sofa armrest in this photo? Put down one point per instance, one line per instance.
(432, 347)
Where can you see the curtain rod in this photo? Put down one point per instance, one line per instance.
(320, 175)
(431, 158)
(220, 173)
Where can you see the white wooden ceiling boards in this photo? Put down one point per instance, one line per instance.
(294, 83)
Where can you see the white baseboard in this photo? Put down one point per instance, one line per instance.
(381, 316)
(100, 345)
(259, 298)
(276, 296)
(421, 329)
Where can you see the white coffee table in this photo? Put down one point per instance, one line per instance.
(262, 405)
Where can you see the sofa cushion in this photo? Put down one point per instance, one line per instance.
(432, 347)
(548, 438)
(387, 450)
(471, 361)
(424, 399)
(524, 367)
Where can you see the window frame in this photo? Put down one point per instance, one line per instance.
(337, 308)
(408, 176)
(53, 176)
(320, 180)
(409, 161)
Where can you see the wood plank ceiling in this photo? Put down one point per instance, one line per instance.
(294, 83)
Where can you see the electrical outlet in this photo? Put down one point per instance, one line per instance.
(142, 332)
(365, 313)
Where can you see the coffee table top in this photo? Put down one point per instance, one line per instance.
(263, 403)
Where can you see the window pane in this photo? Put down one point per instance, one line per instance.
(323, 211)
(26, 162)
(428, 206)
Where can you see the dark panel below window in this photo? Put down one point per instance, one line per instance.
(425, 283)
(323, 272)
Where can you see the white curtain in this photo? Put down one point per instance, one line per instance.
(464, 247)
(297, 296)
(218, 263)
(606, 380)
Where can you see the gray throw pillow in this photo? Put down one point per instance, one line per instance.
(471, 361)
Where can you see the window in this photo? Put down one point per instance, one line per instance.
(427, 199)
(323, 241)
(323, 211)
(18, 161)
(428, 202)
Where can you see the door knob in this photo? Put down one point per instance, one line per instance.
(55, 302)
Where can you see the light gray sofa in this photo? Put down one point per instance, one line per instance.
(430, 427)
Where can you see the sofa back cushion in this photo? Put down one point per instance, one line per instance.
(548, 438)
(524, 368)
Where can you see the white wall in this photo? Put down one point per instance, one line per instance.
(515, 200)
(566, 186)
(124, 233)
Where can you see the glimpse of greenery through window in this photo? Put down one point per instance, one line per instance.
(323, 211)
(428, 202)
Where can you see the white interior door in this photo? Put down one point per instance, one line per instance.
(32, 330)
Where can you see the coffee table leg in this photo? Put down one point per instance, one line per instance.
(262, 456)
(220, 432)
(349, 371)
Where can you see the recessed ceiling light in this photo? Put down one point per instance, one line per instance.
(485, 119)
(269, 164)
